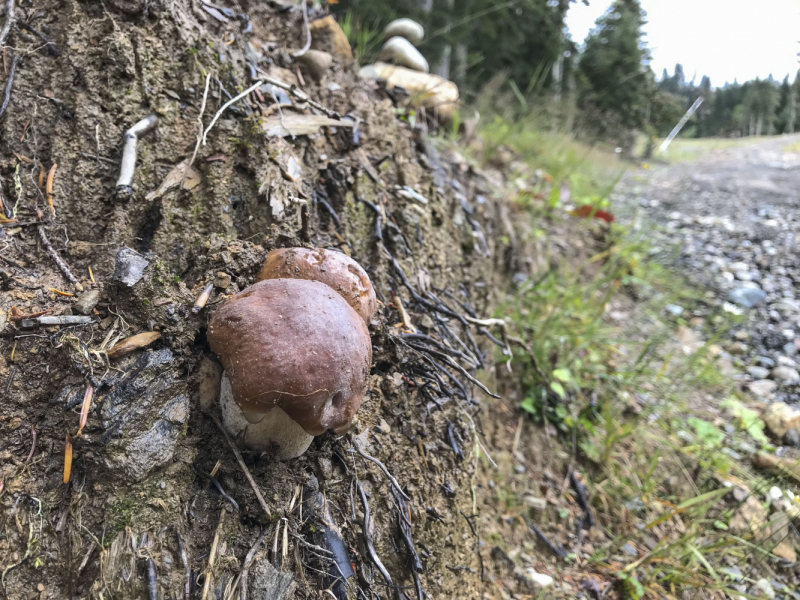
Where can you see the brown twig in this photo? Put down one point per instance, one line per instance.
(212, 556)
(54, 255)
(247, 474)
(33, 445)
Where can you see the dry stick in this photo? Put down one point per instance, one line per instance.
(300, 95)
(54, 255)
(212, 556)
(247, 562)
(187, 586)
(129, 140)
(9, 22)
(247, 474)
(305, 48)
(256, 85)
(382, 468)
(200, 120)
(9, 84)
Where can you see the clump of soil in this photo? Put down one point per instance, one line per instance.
(153, 480)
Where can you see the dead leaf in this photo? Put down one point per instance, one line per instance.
(132, 343)
(295, 124)
(181, 175)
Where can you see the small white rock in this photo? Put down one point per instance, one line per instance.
(406, 28)
(402, 52)
(542, 579)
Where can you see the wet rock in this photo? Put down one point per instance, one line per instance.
(779, 418)
(785, 374)
(144, 414)
(129, 266)
(747, 297)
(765, 361)
(267, 583)
(535, 502)
(758, 372)
(763, 388)
(792, 438)
(87, 301)
(674, 310)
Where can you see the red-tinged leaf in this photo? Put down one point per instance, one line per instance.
(588, 210)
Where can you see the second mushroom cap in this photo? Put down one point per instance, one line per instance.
(334, 269)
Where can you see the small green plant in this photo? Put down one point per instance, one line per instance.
(364, 38)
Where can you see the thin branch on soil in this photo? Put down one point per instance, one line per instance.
(54, 255)
(9, 85)
(33, 445)
(187, 586)
(247, 474)
(60, 320)
(382, 467)
(222, 109)
(212, 556)
(220, 489)
(300, 95)
(128, 164)
(557, 550)
(9, 22)
(366, 530)
(200, 120)
(305, 48)
(583, 501)
(51, 47)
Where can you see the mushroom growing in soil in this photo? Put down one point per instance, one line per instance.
(334, 269)
(296, 358)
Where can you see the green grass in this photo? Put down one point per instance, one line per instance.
(641, 415)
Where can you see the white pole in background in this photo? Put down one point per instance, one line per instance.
(680, 124)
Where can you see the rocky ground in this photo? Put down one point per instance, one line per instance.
(729, 224)
(727, 221)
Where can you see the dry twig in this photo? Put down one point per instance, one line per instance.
(247, 474)
(305, 48)
(55, 256)
(212, 556)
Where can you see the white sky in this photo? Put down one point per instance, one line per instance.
(724, 39)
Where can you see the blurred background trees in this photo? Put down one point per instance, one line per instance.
(521, 52)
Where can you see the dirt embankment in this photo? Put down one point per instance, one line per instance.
(430, 229)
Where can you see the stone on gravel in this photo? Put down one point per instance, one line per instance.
(765, 361)
(535, 502)
(790, 349)
(539, 579)
(792, 438)
(129, 266)
(786, 374)
(87, 301)
(747, 297)
(780, 418)
(758, 372)
(763, 388)
(674, 310)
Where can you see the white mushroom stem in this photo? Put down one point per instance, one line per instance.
(276, 427)
(128, 166)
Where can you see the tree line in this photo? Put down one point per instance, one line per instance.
(603, 89)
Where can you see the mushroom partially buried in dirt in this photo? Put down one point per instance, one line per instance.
(296, 359)
(334, 269)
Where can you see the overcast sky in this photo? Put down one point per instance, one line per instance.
(724, 39)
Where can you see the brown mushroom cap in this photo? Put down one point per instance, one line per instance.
(297, 345)
(334, 269)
